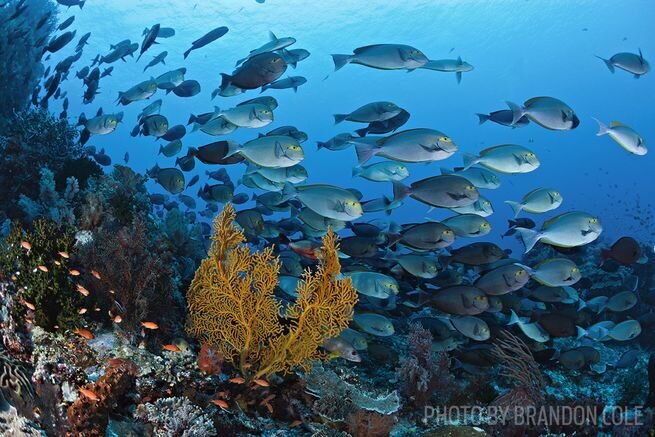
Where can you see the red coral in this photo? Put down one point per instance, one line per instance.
(369, 424)
(89, 417)
(209, 360)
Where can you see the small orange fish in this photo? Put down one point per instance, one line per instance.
(14, 277)
(247, 366)
(26, 245)
(82, 290)
(269, 407)
(89, 394)
(97, 310)
(150, 325)
(82, 311)
(112, 291)
(44, 269)
(29, 305)
(74, 272)
(237, 380)
(57, 263)
(171, 348)
(268, 398)
(95, 274)
(64, 254)
(221, 403)
(295, 423)
(261, 382)
(118, 319)
(85, 333)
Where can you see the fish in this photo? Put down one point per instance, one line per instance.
(502, 280)
(293, 56)
(383, 57)
(373, 284)
(82, 41)
(460, 300)
(271, 152)
(291, 82)
(220, 403)
(274, 44)
(171, 179)
(426, 236)
(164, 32)
(59, 42)
(171, 149)
(625, 251)
(631, 62)
(624, 331)
(596, 332)
(548, 294)
(444, 191)
(533, 331)
(537, 201)
(382, 171)
(216, 126)
(295, 174)
(217, 153)
(257, 71)
(101, 124)
(625, 136)
(159, 59)
(555, 272)
(170, 79)
(326, 200)
(475, 254)
(570, 229)
(150, 325)
(174, 133)
(471, 327)
(481, 207)
(385, 126)
(504, 117)
(414, 145)
(70, 3)
(207, 38)
(369, 113)
(171, 348)
(468, 225)
(84, 333)
(480, 177)
(66, 23)
(374, 324)
(141, 91)
(506, 158)
(253, 115)
(89, 394)
(354, 338)
(188, 88)
(416, 265)
(237, 380)
(547, 112)
(622, 301)
(148, 40)
(456, 66)
(518, 223)
(338, 347)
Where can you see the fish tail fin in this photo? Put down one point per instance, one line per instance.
(320, 145)
(196, 126)
(81, 4)
(187, 52)
(400, 191)
(340, 61)
(226, 81)
(338, 118)
(192, 119)
(357, 170)
(529, 238)
(513, 319)
(388, 205)
(516, 208)
(362, 132)
(365, 152)
(517, 111)
(511, 223)
(232, 148)
(215, 93)
(581, 332)
(482, 118)
(470, 160)
(445, 261)
(602, 128)
(608, 63)
(81, 120)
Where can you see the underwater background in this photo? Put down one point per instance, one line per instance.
(120, 317)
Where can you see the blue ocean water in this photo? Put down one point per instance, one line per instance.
(520, 49)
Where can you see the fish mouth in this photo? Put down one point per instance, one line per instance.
(575, 122)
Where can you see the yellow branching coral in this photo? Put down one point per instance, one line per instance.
(232, 306)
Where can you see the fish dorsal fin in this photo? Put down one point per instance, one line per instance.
(272, 36)
(459, 60)
(549, 222)
(641, 57)
(489, 149)
(532, 100)
(616, 123)
(381, 141)
(99, 113)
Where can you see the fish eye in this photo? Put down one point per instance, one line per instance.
(470, 187)
(444, 139)
(575, 270)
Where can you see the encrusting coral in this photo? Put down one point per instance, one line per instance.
(232, 306)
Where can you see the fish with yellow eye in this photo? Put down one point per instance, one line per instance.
(506, 158)
(468, 225)
(273, 151)
(555, 272)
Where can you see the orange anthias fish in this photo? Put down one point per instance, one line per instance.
(82, 290)
(43, 269)
(171, 348)
(26, 245)
(89, 394)
(85, 333)
(82, 311)
(150, 325)
(64, 254)
(237, 380)
(74, 272)
(221, 403)
(118, 319)
(29, 305)
(261, 382)
(95, 274)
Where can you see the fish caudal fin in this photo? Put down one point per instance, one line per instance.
(340, 61)
(338, 118)
(232, 148)
(400, 191)
(517, 111)
(357, 171)
(470, 160)
(529, 238)
(482, 118)
(226, 81)
(608, 63)
(187, 52)
(581, 332)
(513, 319)
(362, 132)
(602, 128)
(365, 152)
(516, 207)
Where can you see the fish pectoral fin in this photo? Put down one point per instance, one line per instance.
(466, 302)
(564, 116)
(430, 147)
(340, 206)
(456, 196)
(519, 159)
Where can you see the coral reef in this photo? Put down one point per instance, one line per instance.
(232, 305)
(32, 260)
(176, 417)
